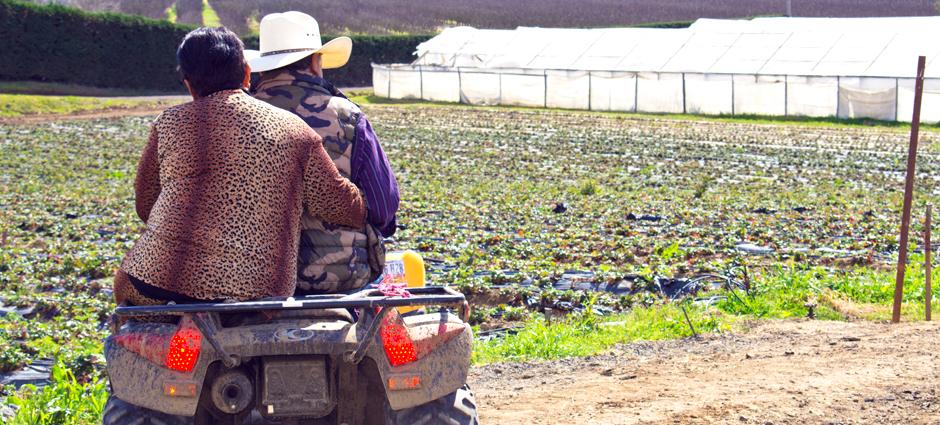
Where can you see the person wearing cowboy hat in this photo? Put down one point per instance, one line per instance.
(291, 60)
(223, 185)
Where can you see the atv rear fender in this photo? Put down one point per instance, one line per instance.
(444, 343)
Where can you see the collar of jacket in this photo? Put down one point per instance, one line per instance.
(305, 79)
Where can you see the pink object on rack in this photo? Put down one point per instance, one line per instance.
(390, 289)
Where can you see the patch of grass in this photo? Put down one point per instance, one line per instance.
(779, 293)
(15, 105)
(860, 293)
(586, 334)
(209, 17)
(63, 89)
(911, 311)
(366, 97)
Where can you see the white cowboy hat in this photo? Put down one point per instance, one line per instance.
(291, 36)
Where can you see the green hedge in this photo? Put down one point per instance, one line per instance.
(61, 44)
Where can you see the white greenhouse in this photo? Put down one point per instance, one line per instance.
(817, 67)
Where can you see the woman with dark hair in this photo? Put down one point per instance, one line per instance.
(222, 183)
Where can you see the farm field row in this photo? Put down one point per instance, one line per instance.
(531, 202)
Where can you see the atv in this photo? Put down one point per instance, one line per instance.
(319, 359)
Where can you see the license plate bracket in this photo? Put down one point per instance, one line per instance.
(293, 387)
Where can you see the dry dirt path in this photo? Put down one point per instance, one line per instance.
(778, 372)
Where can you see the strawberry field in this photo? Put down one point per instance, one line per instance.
(523, 210)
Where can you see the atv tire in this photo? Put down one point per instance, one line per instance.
(456, 408)
(120, 412)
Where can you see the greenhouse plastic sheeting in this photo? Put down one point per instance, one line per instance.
(709, 94)
(868, 98)
(613, 91)
(661, 93)
(521, 88)
(845, 67)
(480, 88)
(380, 81)
(930, 109)
(760, 95)
(405, 84)
(440, 85)
(865, 47)
(812, 96)
(568, 89)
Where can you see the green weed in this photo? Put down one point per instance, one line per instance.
(66, 400)
(586, 334)
(588, 187)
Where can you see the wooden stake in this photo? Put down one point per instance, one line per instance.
(908, 191)
(928, 297)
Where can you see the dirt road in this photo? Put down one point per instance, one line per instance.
(778, 372)
(135, 111)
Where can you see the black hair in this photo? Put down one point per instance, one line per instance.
(211, 59)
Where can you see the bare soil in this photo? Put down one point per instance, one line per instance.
(776, 372)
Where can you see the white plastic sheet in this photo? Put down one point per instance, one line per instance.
(812, 96)
(568, 89)
(613, 91)
(380, 80)
(930, 108)
(480, 87)
(659, 93)
(440, 84)
(760, 95)
(709, 94)
(868, 98)
(522, 88)
(405, 83)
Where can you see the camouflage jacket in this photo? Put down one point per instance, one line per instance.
(335, 258)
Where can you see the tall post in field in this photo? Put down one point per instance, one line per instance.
(928, 297)
(908, 191)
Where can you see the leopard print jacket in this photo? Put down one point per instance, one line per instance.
(222, 184)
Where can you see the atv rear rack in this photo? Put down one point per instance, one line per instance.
(370, 298)
(366, 299)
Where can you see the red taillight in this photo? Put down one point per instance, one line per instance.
(178, 351)
(184, 350)
(399, 348)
